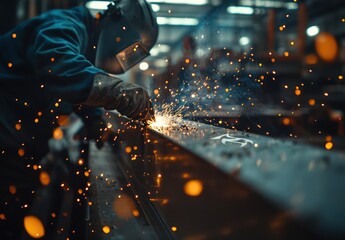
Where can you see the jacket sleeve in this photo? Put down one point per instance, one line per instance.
(60, 67)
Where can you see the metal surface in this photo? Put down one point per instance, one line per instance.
(298, 177)
(265, 120)
(245, 185)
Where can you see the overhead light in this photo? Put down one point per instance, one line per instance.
(240, 10)
(161, 63)
(177, 21)
(155, 7)
(313, 31)
(244, 41)
(159, 48)
(164, 48)
(154, 52)
(291, 6)
(189, 2)
(269, 4)
(144, 66)
(103, 5)
(97, 5)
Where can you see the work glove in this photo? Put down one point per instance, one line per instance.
(129, 99)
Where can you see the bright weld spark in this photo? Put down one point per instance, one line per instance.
(167, 118)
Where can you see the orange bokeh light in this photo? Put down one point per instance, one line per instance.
(34, 227)
(328, 138)
(128, 149)
(135, 213)
(21, 152)
(326, 46)
(63, 120)
(286, 121)
(44, 178)
(329, 145)
(18, 126)
(58, 134)
(193, 188)
(106, 229)
(124, 207)
(12, 189)
(311, 59)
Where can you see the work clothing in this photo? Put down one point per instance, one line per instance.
(43, 66)
(46, 70)
(43, 72)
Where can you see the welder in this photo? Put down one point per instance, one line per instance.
(60, 62)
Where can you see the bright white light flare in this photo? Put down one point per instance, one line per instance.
(166, 118)
(190, 2)
(313, 31)
(144, 66)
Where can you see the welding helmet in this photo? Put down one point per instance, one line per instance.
(127, 31)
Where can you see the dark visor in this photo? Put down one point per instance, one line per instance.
(132, 55)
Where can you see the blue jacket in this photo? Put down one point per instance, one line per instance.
(44, 71)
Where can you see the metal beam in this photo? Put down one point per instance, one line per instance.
(243, 185)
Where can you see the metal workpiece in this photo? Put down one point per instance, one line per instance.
(298, 177)
(206, 182)
(262, 119)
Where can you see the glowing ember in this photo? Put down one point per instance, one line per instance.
(106, 229)
(329, 145)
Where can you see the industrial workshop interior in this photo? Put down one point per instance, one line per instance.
(172, 119)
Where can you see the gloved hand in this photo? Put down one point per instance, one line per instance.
(129, 99)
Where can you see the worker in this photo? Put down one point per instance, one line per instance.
(60, 62)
